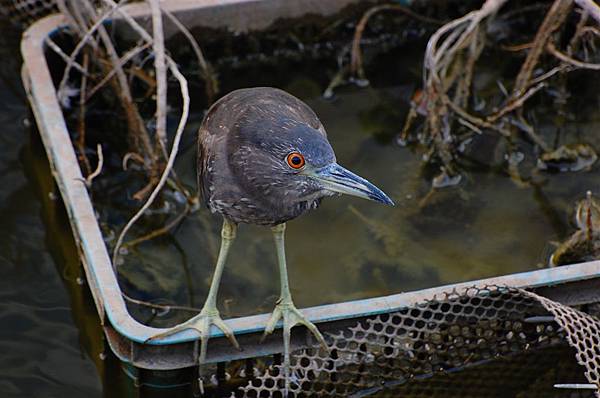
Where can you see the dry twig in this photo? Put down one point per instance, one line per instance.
(356, 64)
(161, 75)
(124, 60)
(450, 58)
(163, 178)
(571, 61)
(444, 72)
(555, 17)
(160, 231)
(210, 79)
(80, 142)
(98, 170)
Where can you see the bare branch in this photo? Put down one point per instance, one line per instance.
(356, 66)
(160, 231)
(126, 58)
(82, 42)
(515, 103)
(55, 47)
(161, 75)
(571, 61)
(552, 21)
(80, 142)
(210, 80)
(591, 7)
(163, 178)
(96, 173)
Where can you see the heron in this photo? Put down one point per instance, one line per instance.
(263, 158)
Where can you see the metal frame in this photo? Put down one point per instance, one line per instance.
(126, 335)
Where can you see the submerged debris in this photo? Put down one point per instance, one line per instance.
(456, 108)
(584, 244)
(587, 213)
(444, 180)
(568, 158)
(581, 246)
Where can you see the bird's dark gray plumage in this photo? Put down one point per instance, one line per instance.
(242, 146)
(264, 158)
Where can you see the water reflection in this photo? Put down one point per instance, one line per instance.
(40, 345)
(349, 249)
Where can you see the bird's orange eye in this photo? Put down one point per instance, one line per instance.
(295, 160)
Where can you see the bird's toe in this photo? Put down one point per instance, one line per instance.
(201, 324)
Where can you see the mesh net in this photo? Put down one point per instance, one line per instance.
(531, 374)
(456, 331)
(25, 12)
(582, 333)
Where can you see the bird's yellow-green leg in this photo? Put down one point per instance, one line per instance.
(209, 315)
(285, 308)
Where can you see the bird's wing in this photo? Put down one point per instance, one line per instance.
(203, 160)
(214, 127)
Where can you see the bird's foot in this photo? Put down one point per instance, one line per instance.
(202, 324)
(286, 311)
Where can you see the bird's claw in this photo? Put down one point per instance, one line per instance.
(202, 324)
(291, 316)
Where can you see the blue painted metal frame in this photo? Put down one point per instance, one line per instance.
(93, 252)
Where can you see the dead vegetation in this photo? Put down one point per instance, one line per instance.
(96, 64)
(446, 102)
(450, 64)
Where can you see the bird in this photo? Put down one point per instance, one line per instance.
(263, 158)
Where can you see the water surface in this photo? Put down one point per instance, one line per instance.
(349, 248)
(51, 343)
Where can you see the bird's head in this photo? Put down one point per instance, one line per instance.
(290, 162)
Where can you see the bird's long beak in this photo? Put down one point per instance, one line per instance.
(337, 179)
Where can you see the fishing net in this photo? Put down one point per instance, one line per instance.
(25, 12)
(442, 336)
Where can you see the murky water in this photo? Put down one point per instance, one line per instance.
(350, 248)
(40, 345)
(51, 342)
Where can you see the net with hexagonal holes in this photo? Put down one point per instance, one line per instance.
(441, 336)
(25, 12)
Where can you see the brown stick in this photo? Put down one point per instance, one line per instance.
(80, 142)
(159, 306)
(98, 170)
(134, 120)
(571, 61)
(161, 76)
(356, 66)
(441, 73)
(124, 59)
(206, 72)
(515, 103)
(159, 231)
(553, 20)
(463, 88)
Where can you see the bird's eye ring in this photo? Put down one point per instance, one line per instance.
(295, 160)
